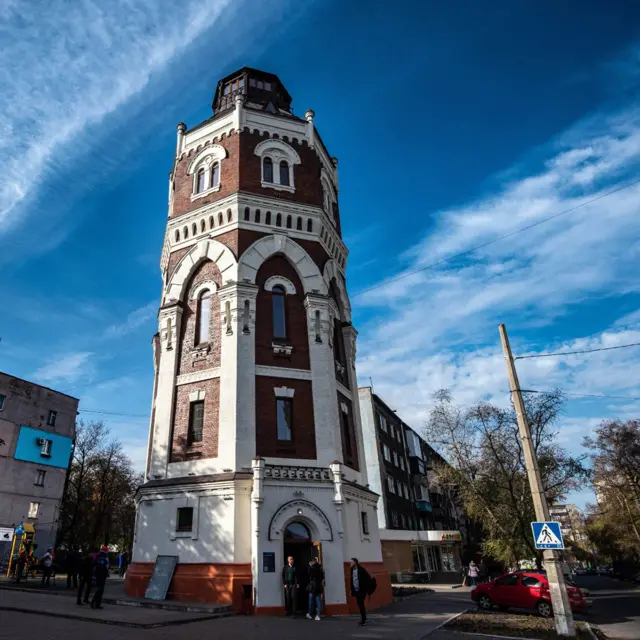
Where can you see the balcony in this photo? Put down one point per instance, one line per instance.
(423, 506)
(417, 466)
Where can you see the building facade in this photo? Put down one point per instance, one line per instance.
(37, 429)
(422, 528)
(255, 445)
(573, 528)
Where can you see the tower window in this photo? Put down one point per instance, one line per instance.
(215, 174)
(51, 418)
(177, 235)
(257, 217)
(247, 214)
(346, 433)
(284, 173)
(211, 223)
(289, 222)
(184, 521)
(267, 217)
(284, 412)
(278, 294)
(203, 317)
(278, 220)
(267, 170)
(196, 422)
(309, 225)
(200, 181)
(299, 224)
(365, 522)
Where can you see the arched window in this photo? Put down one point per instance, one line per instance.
(177, 235)
(278, 220)
(194, 229)
(299, 224)
(267, 170)
(267, 217)
(247, 214)
(203, 226)
(229, 215)
(220, 219)
(211, 223)
(309, 225)
(200, 181)
(215, 174)
(257, 215)
(203, 318)
(185, 233)
(278, 294)
(284, 173)
(288, 222)
(297, 531)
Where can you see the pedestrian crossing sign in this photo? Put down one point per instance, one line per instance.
(547, 535)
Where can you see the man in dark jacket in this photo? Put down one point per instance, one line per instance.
(360, 585)
(290, 586)
(73, 566)
(85, 571)
(102, 572)
(315, 589)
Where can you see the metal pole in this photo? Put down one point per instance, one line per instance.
(559, 597)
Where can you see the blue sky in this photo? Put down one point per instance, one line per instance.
(452, 126)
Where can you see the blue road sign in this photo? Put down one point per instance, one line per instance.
(547, 535)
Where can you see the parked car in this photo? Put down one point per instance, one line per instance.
(525, 590)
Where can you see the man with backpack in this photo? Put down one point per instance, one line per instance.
(101, 568)
(362, 585)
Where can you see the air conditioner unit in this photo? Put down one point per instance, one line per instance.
(424, 481)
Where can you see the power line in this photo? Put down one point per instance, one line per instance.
(571, 353)
(503, 237)
(113, 413)
(582, 395)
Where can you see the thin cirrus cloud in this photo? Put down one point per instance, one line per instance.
(70, 368)
(64, 69)
(438, 327)
(134, 320)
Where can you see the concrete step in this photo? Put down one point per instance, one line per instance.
(173, 605)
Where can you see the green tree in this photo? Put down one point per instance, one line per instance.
(487, 467)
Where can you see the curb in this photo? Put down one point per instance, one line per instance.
(442, 624)
(116, 623)
(590, 631)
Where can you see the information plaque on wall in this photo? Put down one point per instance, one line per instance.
(161, 577)
(268, 562)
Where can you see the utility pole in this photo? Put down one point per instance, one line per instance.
(565, 625)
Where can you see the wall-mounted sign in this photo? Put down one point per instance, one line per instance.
(6, 534)
(435, 535)
(451, 537)
(268, 562)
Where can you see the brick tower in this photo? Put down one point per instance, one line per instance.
(255, 444)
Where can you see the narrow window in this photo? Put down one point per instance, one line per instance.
(346, 433)
(260, 84)
(177, 235)
(34, 508)
(247, 214)
(203, 317)
(394, 518)
(284, 412)
(267, 217)
(185, 232)
(51, 418)
(194, 229)
(299, 224)
(39, 481)
(278, 304)
(278, 220)
(241, 83)
(45, 450)
(289, 222)
(220, 219)
(391, 485)
(227, 317)
(169, 335)
(365, 522)
(203, 226)
(229, 215)
(227, 89)
(284, 173)
(257, 217)
(309, 225)
(2, 399)
(211, 222)
(184, 521)
(318, 334)
(267, 86)
(196, 420)
(245, 317)
(267, 170)
(200, 181)
(252, 82)
(215, 174)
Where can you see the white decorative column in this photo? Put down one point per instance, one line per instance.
(169, 321)
(257, 498)
(182, 127)
(238, 116)
(325, 399)
(311, 132)
(237, 432)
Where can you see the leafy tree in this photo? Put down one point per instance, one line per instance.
(98, 505)
(487, 466)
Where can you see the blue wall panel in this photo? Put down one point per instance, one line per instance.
(28, 448)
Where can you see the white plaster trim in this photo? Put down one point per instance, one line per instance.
(266, 148)
(283, 392)
(344, 391)
(215, 151)
(206, 192)
(283, 372)
(195, 396)
(207, 132)
(198, 376)
(278, 187)
(207, 285)
(271, 282)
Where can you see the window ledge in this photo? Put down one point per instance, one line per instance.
(278, 187)
(181, 534)
(282, 349)
(202, 194)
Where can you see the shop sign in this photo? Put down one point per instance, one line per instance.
(451, 537)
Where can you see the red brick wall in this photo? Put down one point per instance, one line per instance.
(296, 318)
(352, 460)
(208, 448)
(175, 258)
(208, 270)
(303, 443)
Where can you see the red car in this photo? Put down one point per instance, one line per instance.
(524, 590)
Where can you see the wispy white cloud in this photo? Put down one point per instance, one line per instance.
(69, 368)
(62, 70)
(133, 321)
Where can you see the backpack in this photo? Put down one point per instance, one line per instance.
(373, 585)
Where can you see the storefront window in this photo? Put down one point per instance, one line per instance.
(448, 556)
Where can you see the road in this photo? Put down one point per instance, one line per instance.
(616, 606)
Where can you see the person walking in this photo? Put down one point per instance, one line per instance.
(102, 572)
(47, 561)
(473, 574)
(86, 575)
(73, 566)
(315, 588)
(290, 585)
(123, 563)
(360, 586)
